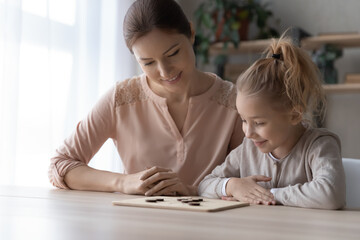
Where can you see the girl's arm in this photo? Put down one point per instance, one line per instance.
(326, 190)
(212, 185)
(243, 189)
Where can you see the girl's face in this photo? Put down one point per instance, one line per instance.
(270, 129)
(167, 59)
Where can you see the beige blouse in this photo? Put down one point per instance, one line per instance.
(145, 135)
(311, 175)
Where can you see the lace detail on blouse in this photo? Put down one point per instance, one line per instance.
(226, 95)
(129, 91)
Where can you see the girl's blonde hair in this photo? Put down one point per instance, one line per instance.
(289, 77)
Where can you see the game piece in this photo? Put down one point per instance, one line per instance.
(194, 203)
(197, 200)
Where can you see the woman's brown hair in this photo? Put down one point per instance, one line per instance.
(289, 77)
(145, 15)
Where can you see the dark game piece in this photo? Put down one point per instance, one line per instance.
(194, 203)
(197, 200)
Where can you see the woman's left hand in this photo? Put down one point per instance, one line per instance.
(166, 183)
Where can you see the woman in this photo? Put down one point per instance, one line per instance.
(171, 126)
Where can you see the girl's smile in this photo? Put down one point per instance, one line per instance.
(271, 129)
(259, 143)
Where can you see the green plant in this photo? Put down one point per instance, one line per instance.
(324, 58)
(228, 21)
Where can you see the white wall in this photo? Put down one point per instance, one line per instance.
(343, 118)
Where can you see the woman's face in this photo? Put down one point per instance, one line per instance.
(167, 59)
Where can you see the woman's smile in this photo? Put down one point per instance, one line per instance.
(173, 80)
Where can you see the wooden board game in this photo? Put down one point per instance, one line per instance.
(182, 203)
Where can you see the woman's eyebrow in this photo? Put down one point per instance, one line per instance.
(176, 44)
(145, 59)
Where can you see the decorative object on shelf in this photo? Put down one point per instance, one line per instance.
(352, 78)
(324, 58)
(228, 21)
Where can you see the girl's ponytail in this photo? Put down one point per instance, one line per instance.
(288, 75)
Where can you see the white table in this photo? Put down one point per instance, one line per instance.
(36, 213)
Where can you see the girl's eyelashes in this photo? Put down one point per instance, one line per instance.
(255, 123)
(174, 53)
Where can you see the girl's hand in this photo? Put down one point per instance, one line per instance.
(247, 190)
(164, 183)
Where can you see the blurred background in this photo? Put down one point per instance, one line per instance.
(57, 57)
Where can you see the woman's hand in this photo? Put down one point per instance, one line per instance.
(134, 183)
(156, 181)
(247, 190)
(164, 182)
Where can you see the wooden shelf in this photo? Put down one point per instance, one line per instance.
(342, 88)
(255, 46)
(339, 40)
(310, 43)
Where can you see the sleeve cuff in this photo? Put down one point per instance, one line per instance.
(223, 189)
(274, 190)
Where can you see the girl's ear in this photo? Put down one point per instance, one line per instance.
(192, 37)
(296, 115)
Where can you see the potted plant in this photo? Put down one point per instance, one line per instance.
(228, 21)
(324, 58)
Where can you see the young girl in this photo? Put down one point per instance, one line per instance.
(282, 160)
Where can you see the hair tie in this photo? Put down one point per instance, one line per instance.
(276, 56)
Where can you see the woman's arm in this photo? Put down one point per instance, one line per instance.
(87, 178)
(78, 149)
